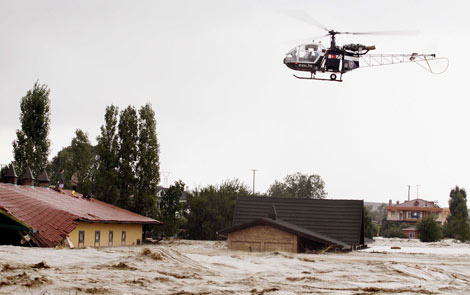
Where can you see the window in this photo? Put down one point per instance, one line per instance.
(97, 237)
(394, 213)
(110, 242)
(415, 215)
(412, 234)
(123, 237)
(81, 237)
(401, 215)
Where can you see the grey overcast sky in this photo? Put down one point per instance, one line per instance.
(225, 103)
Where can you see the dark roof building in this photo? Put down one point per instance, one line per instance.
(304, 223)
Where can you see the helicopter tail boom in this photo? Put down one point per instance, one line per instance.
(422, 60)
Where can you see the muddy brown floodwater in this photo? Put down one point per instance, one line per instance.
(208, 267)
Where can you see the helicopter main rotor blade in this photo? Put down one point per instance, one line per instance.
(384, 33)
(305, 17)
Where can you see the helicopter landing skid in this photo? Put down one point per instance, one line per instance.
(313, 78)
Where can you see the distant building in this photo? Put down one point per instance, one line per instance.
(414, 210)
(295, 225)
(40, 216)
(411, 232)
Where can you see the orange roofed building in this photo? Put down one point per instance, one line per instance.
(40, 216)
(414, 210)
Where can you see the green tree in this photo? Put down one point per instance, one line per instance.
(107, 159)
(429, 230)
(211, 208)
(170, 209)
(79, 156)
(393, 229)
(31, 147)
(299, 185)
(457, 225)
(380, 214)
(370, 229)
(148, 165)
(63, 160)
(83, 158)
(128, 155)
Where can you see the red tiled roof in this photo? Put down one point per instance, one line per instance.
(417, 203)
(54, 215)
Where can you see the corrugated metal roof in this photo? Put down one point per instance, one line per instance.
(337, 219)
(54, 215)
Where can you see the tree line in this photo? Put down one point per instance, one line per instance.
(123, 169)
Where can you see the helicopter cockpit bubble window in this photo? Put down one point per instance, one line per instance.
(291, 56)
(310, 53)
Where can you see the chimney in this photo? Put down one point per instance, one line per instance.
(273, 213)
(43, 179)
(11, 176)
(398, 202)
(390, 202)
(28, 177)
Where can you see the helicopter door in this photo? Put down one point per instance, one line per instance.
(309, 53)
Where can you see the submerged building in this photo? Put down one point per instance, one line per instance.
(40, 216)
(295, 225)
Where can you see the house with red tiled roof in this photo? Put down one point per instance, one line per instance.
(41, 216)
(414, 210)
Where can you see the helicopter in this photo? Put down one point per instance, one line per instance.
(337, 60)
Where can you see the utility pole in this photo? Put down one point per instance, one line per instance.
(409, 187)
(254, 175)
(166, 175)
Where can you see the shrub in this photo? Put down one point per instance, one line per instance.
(429, 230)
(394, 232)
(393, 229)
(370, 228)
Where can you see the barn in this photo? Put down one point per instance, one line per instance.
(295, 225)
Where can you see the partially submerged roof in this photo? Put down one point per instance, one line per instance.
(340, 220)
(54, 215)
(287, 227)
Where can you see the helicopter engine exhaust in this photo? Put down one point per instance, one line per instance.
(358, 47)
